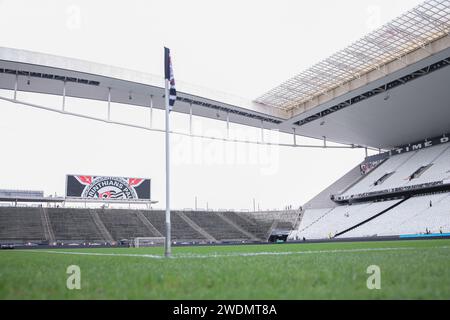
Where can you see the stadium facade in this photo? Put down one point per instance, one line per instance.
(387, 91)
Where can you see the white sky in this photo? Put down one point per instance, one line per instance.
(239, 47)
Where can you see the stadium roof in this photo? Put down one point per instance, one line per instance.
(413, 30)
(388, 89)
(49, 74)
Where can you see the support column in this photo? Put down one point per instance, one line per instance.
(228, 125)
(151, 111)
(16, 85)
(294, 136)
(262, 131)
(190, 119)
(109, 104)
(168, 240)
(64, 97)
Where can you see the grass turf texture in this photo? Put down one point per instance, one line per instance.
(409, 270)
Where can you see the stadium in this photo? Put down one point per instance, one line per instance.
(386, 94)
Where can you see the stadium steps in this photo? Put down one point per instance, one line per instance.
(196, 227)
(361, 176)
(100, 226)
(248, 220)
(238, 227)
(371, 218)
(284, 225)
(73, 224)
(216, 226)
(296, 224)
(48, 231)
(148, 224)
(123, 224)
(298, 221)
(366, 184)
(264, 221)
(272, 227)
(253, 223)
(181, 230)
(440, 154)
(316, 220)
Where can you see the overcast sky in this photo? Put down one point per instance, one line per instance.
(239, 47)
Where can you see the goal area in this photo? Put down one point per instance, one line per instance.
(148, 242)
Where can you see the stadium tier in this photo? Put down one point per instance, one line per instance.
(325, 223)
(420, 214)
(402, 194)
(43, 225)
(407, 169)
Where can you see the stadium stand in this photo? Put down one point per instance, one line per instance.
(283, 225)
(276, 221)
(216, 226)
(124, 224)
(388, 88)
(414, 216)
(107, 225)
(326, 223)
(23, 224)
(101, 226)
(48, 230)
(259, 229)
(148, 224)
(181, 230)
(73, 224)
(391, 214)
(284, 217)
(439, 170)
(398, 170)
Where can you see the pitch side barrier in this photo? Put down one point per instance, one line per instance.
(405, 237)
(378, 238)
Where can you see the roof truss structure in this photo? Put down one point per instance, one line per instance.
(413, 30)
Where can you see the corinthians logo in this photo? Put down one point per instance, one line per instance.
(109, 188)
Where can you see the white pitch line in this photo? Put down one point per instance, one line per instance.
(154, 256)
(237, 254)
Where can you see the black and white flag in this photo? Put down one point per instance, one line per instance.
(169, 76)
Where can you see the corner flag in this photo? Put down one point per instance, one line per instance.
(169, 77)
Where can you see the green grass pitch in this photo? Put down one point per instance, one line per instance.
(409, 270)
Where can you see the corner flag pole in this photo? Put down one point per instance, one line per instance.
(167, 71)
(168, 243)
(170, 98)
